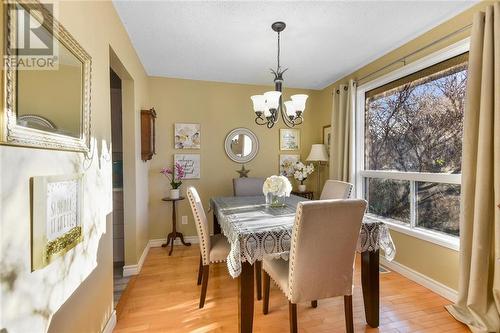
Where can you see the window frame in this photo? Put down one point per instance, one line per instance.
(448, 241)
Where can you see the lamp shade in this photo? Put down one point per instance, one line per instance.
(259, 103)
(318, 153)
(299, 101)
(267, 113)
(272, 99)
(290, 108)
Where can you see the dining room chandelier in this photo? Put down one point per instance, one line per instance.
(269, 106)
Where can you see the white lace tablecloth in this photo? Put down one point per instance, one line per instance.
(254, 229)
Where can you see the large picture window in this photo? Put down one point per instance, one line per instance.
(412, 148)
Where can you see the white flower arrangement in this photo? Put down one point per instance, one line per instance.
(277, 185)
(302, 171)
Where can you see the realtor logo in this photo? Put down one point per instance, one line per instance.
(31, 42)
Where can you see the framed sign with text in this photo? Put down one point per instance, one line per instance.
(56, 217)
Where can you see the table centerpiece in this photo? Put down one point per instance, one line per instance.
(275, 189)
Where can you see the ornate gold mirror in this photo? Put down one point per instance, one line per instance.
(47, 81)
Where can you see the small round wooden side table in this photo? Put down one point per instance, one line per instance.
(174, 234)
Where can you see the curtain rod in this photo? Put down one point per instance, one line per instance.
(403, 59)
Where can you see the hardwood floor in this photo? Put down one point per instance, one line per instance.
(164, 298)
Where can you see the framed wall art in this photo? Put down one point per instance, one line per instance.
(289, 139)
(56, 211)
(187, 136)
(287, 162)
(327, 137)
(191, 164)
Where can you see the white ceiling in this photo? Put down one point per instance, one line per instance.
(232, 41)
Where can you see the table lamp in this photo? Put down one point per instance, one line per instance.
(318, 154)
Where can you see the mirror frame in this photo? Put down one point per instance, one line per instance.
(13, 134)
(255, 145)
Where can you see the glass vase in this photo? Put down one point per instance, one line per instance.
(273, 200)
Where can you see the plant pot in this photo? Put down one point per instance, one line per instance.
(302, 188)
(174, 193)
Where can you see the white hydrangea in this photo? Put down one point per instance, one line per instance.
(277, 185)
(302, 171)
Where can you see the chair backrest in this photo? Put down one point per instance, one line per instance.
(335, 189)
(201, 221)
(323, 247)
(244, 187)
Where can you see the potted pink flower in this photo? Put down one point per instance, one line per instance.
(175, 176)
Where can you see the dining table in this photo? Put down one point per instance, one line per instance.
(255, 229)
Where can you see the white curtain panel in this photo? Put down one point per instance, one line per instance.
(342, 145)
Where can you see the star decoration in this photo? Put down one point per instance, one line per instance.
(243, 172)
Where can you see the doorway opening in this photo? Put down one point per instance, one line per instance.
(119, 281)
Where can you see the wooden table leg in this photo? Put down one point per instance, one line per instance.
(370, 282)
(216, 225)
(168, 240)
(258, 278)
(245, 295)
(181, 236)
(174, 227)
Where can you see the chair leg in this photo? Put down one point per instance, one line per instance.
(349, 324)
(314, 304)
(266, 284)
(292, 309)
(203, 294)
(258, 278)
(200, 271)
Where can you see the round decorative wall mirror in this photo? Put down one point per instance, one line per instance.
(241, 145)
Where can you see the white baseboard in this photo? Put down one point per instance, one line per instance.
(130, 270)
(160, 241)
(429, 283)
(110, 325)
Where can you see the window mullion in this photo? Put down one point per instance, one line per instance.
(413, 205)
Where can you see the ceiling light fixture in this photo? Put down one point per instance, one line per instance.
(267, 107)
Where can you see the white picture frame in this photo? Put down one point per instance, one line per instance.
(290, 160)
(191, 164)
(187, 136)
(289, 139)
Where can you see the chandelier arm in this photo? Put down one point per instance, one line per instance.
(289, 123)
(260, 121)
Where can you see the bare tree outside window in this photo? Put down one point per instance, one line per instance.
(417, 127)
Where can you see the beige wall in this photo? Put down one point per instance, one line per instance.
(219, 108)
(80, 284)
(432, 260)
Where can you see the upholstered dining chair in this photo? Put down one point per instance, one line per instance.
(247, 186)
(322, 253)
(213, 249)
(335, 189)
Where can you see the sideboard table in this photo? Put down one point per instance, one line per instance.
(174, 234)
